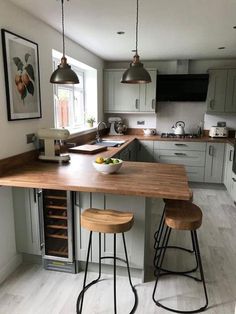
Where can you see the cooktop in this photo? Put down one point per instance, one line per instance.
(173, 135)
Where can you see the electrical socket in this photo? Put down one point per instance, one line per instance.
(141, 122)
(30, 138)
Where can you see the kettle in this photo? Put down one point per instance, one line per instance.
(179, 128)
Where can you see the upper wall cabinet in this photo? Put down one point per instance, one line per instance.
(120, 97)
(221, 97)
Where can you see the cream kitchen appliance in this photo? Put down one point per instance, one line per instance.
(117, 127)
(50, 136)
(218, 131)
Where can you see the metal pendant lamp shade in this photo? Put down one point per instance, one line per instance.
(64, 74)
(136, 73)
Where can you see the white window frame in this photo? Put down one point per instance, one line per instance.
(90, 106)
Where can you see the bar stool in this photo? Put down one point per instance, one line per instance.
(188, 217)
(106, 221)
(157, 236)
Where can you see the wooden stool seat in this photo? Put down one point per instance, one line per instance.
(106, 221)
(187, 217)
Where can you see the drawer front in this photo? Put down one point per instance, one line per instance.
(195, 174)
(183, 157)
(177, 145)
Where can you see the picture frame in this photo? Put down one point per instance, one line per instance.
(22, 79)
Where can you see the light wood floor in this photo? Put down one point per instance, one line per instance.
(33, 290)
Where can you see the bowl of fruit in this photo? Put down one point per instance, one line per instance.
(107, 165)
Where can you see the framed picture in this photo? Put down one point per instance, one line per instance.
(21, 67)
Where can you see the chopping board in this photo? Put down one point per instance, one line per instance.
(87, 149)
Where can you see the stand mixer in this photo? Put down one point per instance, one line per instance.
(117, 127)
(49, 136)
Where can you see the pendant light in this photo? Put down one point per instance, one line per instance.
(136, 73)
(64, 74)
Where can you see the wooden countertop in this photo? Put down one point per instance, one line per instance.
(134, 178)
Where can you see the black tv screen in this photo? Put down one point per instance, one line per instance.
(182, 87)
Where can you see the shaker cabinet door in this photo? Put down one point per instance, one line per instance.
(216, 90)
(214, 163)
(26, 213)
(230, 105)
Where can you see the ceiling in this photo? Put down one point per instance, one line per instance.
(168, 29)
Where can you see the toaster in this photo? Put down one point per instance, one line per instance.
(218, 131)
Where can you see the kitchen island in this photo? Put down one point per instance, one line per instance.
(138, 187)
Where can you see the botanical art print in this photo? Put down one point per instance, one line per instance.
(21, 69)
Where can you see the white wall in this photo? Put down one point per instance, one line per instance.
(192, 113)
(13, 133)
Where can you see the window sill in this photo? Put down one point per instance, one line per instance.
(82, 130)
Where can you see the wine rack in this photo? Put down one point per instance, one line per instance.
(57, 220)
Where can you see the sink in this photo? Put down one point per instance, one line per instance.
(108, 143)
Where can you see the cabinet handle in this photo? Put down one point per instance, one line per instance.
(180, 154)
(153, 103)
(41, 224)
(136, 103)
(178, 144)
(230, 155)
(211, 150)
(212, 104)
(234, 179)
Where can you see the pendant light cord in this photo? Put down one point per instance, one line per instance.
(63, 27)
(137, 27)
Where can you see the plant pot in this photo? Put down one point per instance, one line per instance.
(89, 124)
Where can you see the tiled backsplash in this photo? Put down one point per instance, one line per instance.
(192, 113)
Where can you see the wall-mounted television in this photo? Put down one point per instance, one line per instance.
(182, 87)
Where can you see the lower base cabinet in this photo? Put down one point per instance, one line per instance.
(214, 162)
(233, 191)
(26, 215)
(134, 238)
(145, 151)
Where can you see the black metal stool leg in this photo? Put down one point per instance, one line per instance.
(114, 269)
(160, 259)
(201, 269)
(159, 269)
(80, 299)
(130, 281)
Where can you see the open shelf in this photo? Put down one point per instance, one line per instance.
(57, 217)
(57, 236)
(56, 207)
(57, 227)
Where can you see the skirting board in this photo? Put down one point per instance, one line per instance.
(10, 267)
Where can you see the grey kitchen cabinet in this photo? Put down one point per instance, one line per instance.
(228, 165)
(233, 191)
(145, 151)
(221, 96)
(214, 162)
(119, 97)
(129, 153)
(230, 103)
(135, 238)
(189, 154)
(26, 214)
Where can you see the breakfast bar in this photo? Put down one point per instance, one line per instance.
(138, 187)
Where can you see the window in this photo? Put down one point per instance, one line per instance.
(73, 104)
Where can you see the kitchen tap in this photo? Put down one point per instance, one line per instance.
(98, 137)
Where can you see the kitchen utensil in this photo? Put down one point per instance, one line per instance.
(148, 132)
(50, 136)
(216, 131)
(179, 128)
(87, 149)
